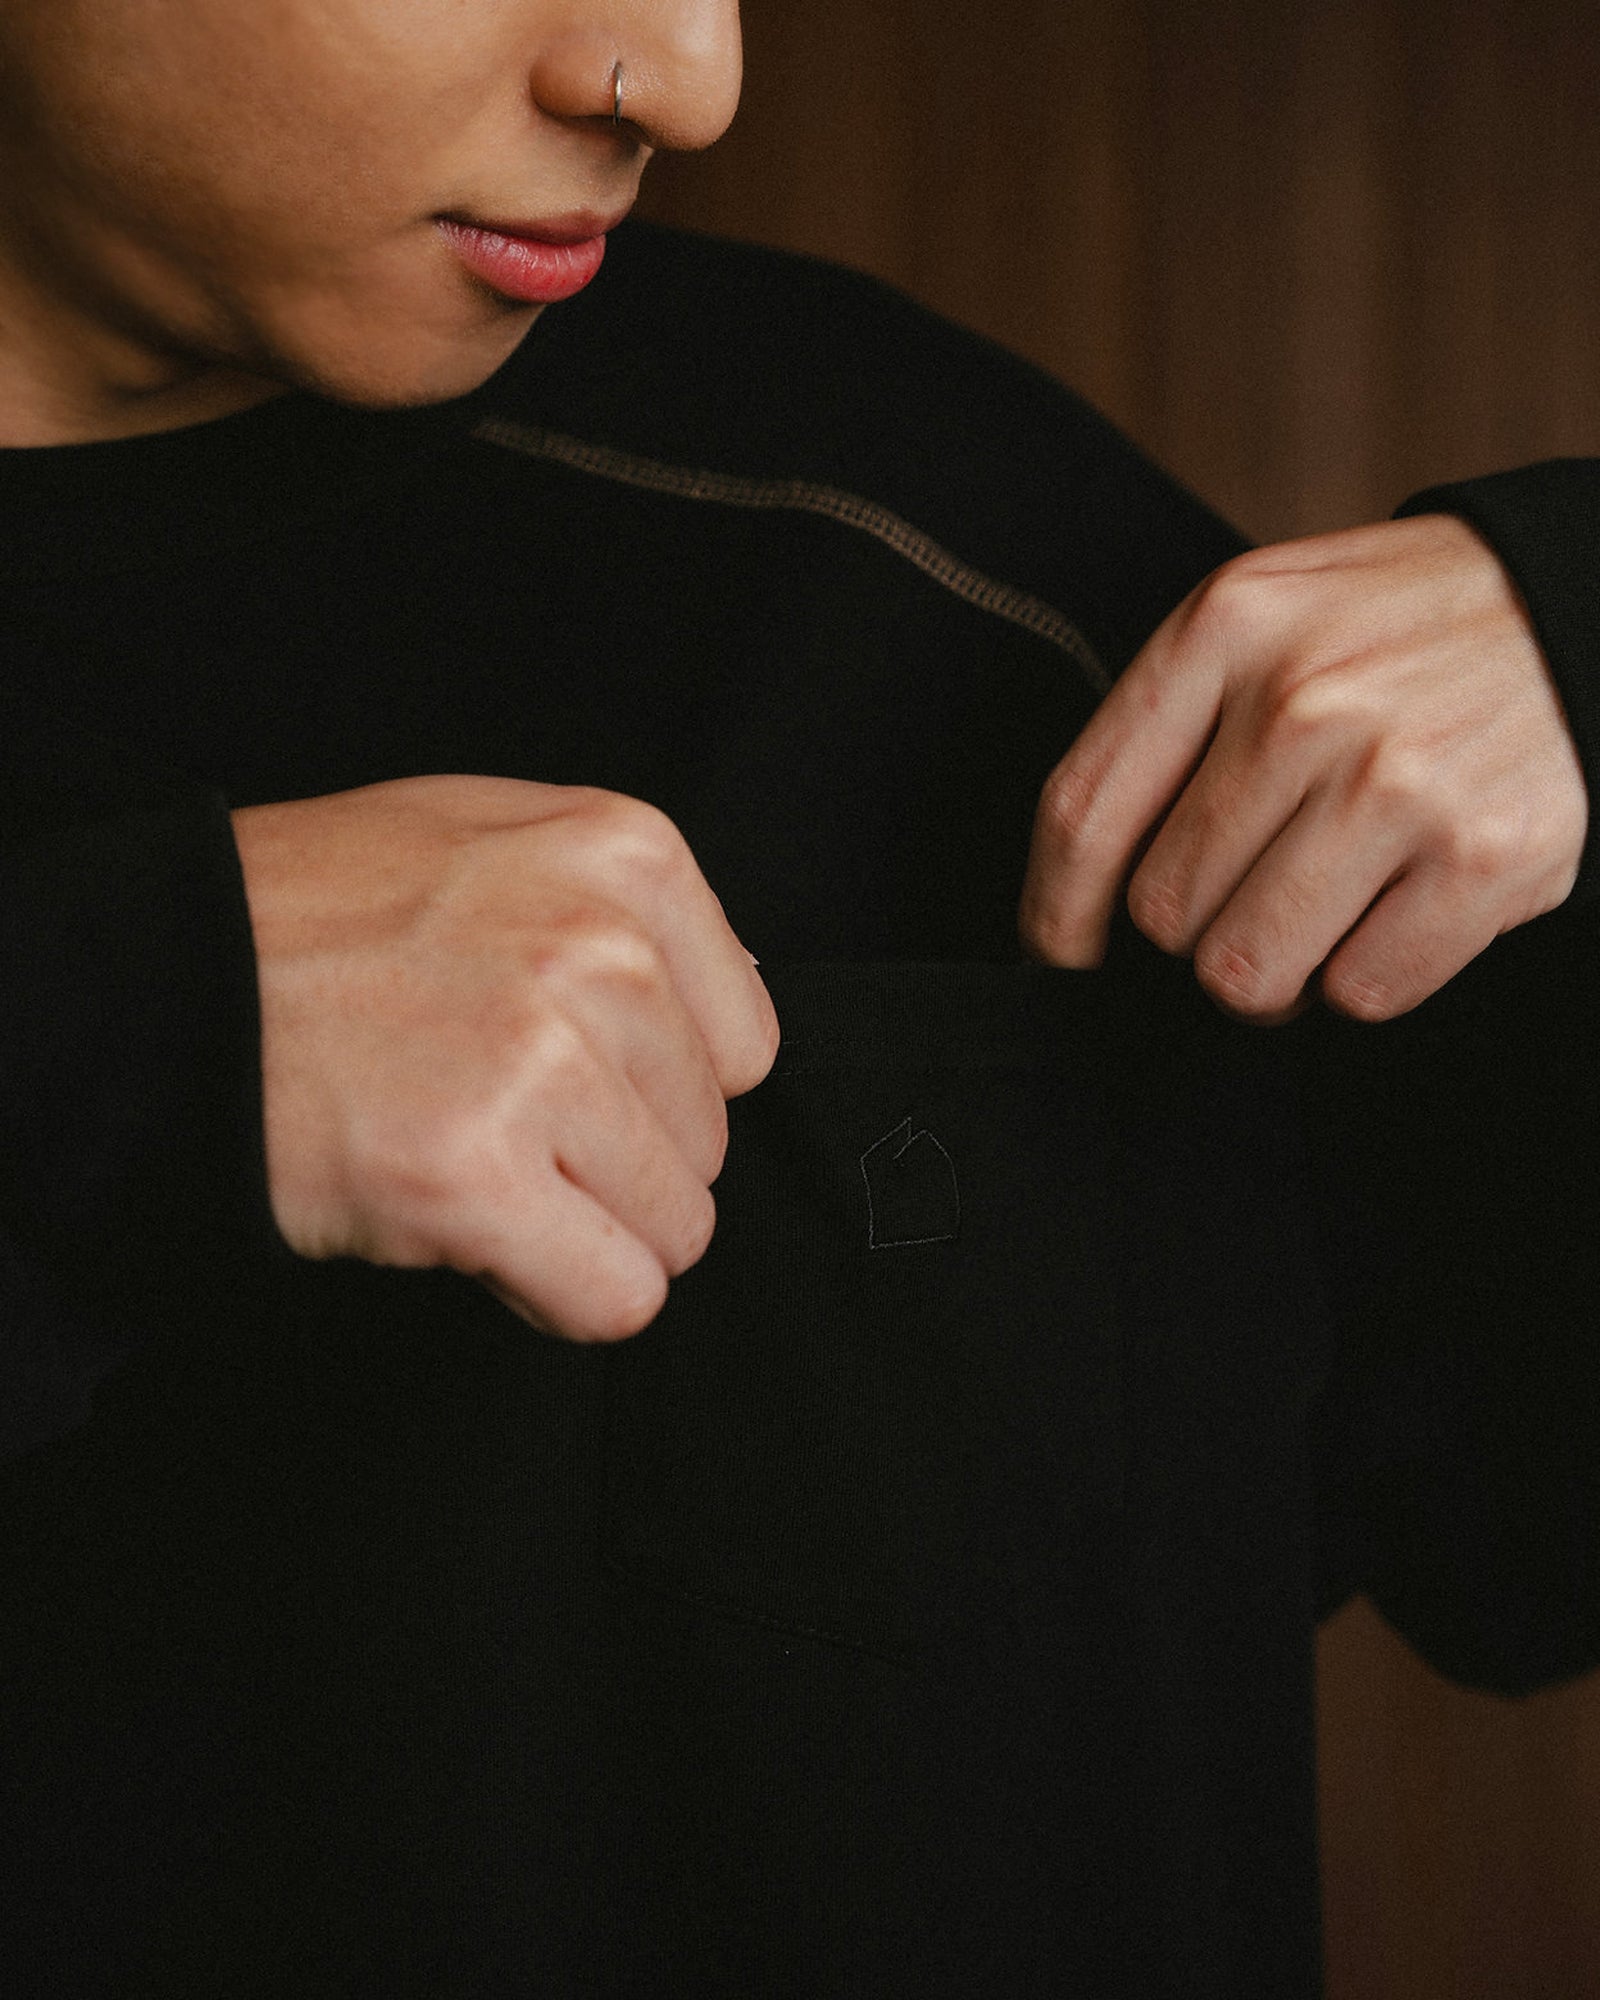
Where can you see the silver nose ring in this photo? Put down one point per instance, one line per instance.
(616, 95)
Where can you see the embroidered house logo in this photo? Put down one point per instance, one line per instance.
(912, 1195)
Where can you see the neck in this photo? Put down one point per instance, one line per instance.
(66, 378)
(56, 406)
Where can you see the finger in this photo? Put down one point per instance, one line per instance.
(636, 1018)
(1306, 891)
(1244, 793)
(722, 991)
(571, 1269)
(1101, 800)
(596, 1130)
(1415, 938)
(642, 864)
(584, 1245)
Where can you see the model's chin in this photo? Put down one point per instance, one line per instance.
(395, 352)
(399, 375)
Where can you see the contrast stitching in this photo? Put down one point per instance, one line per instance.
(804, 496)
(874, 1240)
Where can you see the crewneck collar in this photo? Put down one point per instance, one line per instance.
(128, 503)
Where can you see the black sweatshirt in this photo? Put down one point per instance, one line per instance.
(924, 1603)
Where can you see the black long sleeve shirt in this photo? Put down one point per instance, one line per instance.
(924, 1603)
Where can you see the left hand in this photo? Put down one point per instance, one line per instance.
(1356, 768)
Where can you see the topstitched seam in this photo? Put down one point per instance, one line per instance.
(805, 496)
(874, 1240)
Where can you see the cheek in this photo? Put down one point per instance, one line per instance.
(269, 194)
(282, 120)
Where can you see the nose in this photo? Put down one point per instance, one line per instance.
(682, 67)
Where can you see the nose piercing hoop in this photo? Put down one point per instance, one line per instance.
(616, 95)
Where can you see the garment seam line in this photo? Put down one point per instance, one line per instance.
(805, 496)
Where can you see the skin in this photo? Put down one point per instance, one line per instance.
(205, 200)
(1339, 769)
(500, 1020)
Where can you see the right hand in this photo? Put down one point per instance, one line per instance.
(499, 1023)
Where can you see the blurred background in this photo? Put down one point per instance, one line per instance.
(1313, 255)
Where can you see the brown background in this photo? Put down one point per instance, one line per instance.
(1313, 257)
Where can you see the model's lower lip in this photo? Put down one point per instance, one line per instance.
(519, 267)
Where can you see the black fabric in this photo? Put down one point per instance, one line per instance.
(1459, 1480)
(924, 1604)
(852, 1630)
(124, 1095)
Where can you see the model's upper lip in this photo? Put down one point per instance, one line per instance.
(579, 226)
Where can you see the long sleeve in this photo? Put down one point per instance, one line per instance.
(129, 1065)
(1460, 1440)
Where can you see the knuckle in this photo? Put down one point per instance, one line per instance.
(1488, 847)
(1067, 806)
(547, 1050)
(1235, 600)
(1235, 977)
(1360, 996)
(1297, 704)
(597, 945)
(1398, 778)
(1159, 911)
(637, 841)
(416, 1179)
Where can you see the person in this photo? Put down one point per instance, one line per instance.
(422, 711)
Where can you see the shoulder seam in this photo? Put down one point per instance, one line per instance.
(833, 503)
